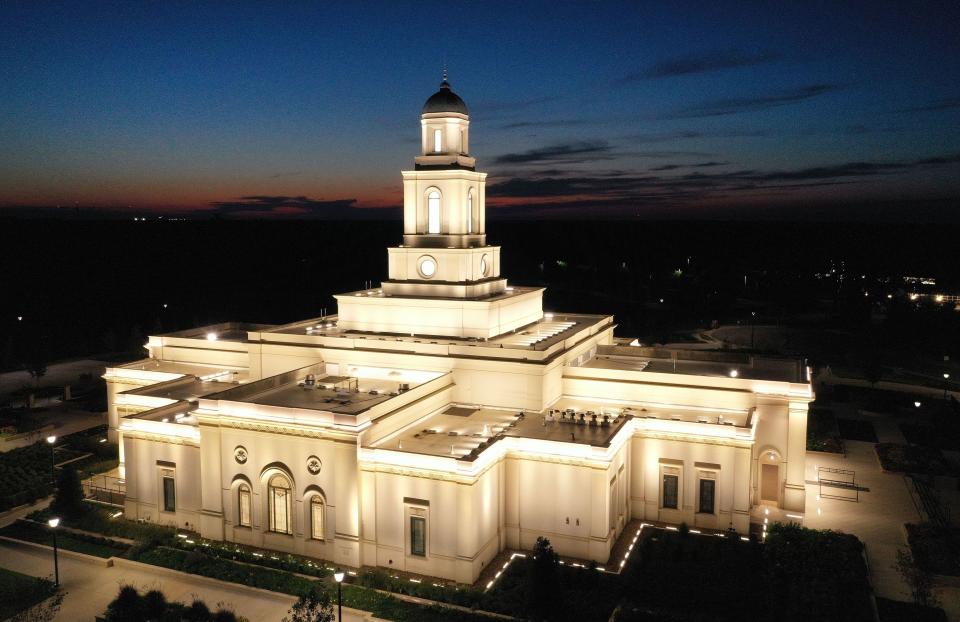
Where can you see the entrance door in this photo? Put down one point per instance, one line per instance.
(770, 482)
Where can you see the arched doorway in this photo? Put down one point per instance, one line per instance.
(770, 477)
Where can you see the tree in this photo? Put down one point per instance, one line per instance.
(314, 606)
(543, 579)
(68, 499)
(919, 580)
(126, 606)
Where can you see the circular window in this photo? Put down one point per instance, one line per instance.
(427, 266)
(483, 265)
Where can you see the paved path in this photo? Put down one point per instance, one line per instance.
(884, 506)
(56, 375)
(66, 418)
(90, 587)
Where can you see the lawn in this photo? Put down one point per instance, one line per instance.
(18, 592)
(89, 545)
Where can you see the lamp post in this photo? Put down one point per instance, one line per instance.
(338, 577)
(53, 461)
(946, 378)
(53, 522)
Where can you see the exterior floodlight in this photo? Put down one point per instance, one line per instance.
(211, 336)
(51, 439)
(53, 522)
(338, 577)
(734, 373)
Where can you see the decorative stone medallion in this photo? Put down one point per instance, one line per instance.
(240, 454)
(314, 465)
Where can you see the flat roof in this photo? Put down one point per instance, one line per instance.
(349, 392)
(743, 366)
(186, 390)
(187, 369)
(224, 331)
(539, 335)
(463, 431)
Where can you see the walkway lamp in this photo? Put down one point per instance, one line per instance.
(946, 377)
(54, 522)
(53, 461)
(338, 577)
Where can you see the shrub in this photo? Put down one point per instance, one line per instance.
(68, 499)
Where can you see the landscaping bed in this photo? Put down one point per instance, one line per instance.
(99, 519)
(79, 543)
(912, 459)
(822, 431)
(25, 471)
(19, 592)
(935, 548)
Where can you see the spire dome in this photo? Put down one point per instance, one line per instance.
(445, 100)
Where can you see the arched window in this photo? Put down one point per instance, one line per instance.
(470, 210)
(278, 504)
(243, 505)
(433, 212)
(437, 141)
(317, 508)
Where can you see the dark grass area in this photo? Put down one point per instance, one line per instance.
(19, 592)
(913, 459)
(822, 431)
(857, 430)
(935, 548)
(896, 611)
(90, 545)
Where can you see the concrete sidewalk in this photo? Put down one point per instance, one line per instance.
(91, 587)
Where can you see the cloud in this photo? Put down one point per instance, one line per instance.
(942, 104)
(515, 125)
(707, 62)
(720, 107)
(671, 167)
(691, 135)
(564, 152)
(618, 187)
(283, 205)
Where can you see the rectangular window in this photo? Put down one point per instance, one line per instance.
(279, 518)
(418, 536)
(316, 520)
(670, 485)
(707, 489)
(244, 507)
(169, 494)
(437, 141)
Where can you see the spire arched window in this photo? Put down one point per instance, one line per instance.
(433, 212)
(437, 141)
(279, 500)
(470, 211)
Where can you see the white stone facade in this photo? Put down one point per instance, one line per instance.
(428, 427)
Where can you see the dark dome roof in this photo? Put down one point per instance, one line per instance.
(445, 100)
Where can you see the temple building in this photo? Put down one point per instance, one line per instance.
(443, 417)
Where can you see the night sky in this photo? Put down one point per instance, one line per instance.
(625, 110)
